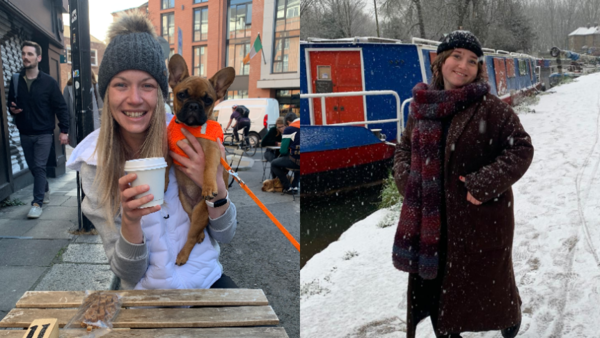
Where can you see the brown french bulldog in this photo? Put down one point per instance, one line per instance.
(193, 102)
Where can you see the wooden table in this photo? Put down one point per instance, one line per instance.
(216, 313)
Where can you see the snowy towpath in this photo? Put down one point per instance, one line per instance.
(351, 288)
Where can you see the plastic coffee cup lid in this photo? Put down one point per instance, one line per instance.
(145, 164)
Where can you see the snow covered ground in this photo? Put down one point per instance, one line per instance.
(351, 288)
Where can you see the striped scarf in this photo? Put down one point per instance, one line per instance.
(416, 243)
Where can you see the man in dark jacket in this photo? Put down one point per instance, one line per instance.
(33, 106)
(290, 146)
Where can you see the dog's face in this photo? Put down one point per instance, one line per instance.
(193, 101)
(194, 97)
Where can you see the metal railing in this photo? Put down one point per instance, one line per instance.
(399, 117)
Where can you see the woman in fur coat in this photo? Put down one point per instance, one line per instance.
(462, 150)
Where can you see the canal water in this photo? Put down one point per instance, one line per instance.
(324, 218)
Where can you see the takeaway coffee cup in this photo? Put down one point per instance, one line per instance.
(150, 171)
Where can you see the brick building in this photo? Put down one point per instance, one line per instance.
(585, 39)
(97, 48)
(219, 33)
(142, 8)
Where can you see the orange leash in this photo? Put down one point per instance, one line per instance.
(260, 204)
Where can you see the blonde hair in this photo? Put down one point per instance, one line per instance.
(437, 79)
(280, 120)
(112, 152)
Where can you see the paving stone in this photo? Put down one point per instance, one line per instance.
(71, 201)
(94, 239)
(18, 212)
(85, 253)
(53, 229)
(9, 227)
(72, 193)
(32, 252)
(56, 200)
(59, 213)
(15, 280)
(77, 277)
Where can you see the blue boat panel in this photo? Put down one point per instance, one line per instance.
(321, 138)
(427, 63)
(489, 63)
(380, 61)
(511, 82)
(304, 111)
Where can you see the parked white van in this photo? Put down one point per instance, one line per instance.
(263, 115)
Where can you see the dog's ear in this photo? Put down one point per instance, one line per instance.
(222, 80)
(178, 70)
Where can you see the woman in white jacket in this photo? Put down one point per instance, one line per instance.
(142, 244)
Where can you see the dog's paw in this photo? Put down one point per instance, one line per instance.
(201, 237)
(209, 190)
(182, 257)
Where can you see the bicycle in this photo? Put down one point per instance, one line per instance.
(248, 147)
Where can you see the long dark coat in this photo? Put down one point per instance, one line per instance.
(487, 144)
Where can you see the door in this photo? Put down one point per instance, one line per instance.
(500, 70)
(337, 71)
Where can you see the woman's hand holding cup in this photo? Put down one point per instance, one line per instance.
(131, 213)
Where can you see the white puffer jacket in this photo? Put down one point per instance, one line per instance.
(165, 234)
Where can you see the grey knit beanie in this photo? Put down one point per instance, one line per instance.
(133, 45)
(461, 39)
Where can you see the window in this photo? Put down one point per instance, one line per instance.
(69, 56)
(510, 68)
(200, 1)
(287, 36)
(201, 24)
(171, 52)
(237, 94)
(199, 61)
(165, 4)
(522, 67)
(235, 57)
(168, 27)
(94, 57)
(240, 19)
(289, 100)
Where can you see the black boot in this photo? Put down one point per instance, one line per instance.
(511, 332)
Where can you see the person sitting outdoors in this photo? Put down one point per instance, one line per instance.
(138, 242)
(290, 146)
(242, 121)
(273, 138)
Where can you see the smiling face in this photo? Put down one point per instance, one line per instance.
(133, 95)
(459, 69)
(30, 57)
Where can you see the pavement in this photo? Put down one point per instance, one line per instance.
(47, 254)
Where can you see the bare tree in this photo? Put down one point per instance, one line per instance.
(336, 19)
(420, 17)
(305, 5)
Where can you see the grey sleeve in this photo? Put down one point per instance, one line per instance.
(128, 261)
(223, 228)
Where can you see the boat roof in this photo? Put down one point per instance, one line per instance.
(356, 39)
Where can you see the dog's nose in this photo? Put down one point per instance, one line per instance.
(194, 106)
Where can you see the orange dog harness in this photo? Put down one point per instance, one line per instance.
(211, 130)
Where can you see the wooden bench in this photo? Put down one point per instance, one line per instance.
(215, 313)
